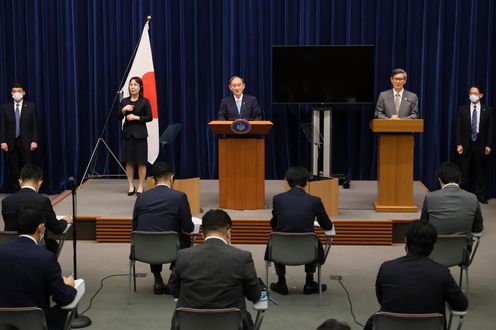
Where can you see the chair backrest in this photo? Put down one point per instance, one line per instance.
(450, 250)
(22, 318)
(7, 236)
(293, 249)
(395, 321)
(208, 319)
(154, 247)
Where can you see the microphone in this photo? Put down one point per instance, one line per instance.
(71, 183)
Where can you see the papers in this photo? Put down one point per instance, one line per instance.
(81, 288)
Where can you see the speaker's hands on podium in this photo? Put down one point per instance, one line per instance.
(395, 117)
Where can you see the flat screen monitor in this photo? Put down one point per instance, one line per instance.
(323, 74)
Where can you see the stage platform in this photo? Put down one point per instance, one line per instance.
(105, 213)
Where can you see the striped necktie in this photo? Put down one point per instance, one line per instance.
(474, 124)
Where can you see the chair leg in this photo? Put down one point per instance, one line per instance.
(450, 320)
(460, 323)
(467, 284)
(134, 275)
(320, 284)
(131, 273)
(267, 265)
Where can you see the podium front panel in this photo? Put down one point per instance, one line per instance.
(241, 173)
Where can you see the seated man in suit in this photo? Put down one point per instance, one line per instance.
(215, 274)
(451, 209)
(163, 209)
(239, 105)
(30, 274)
(415, 283)
(295, 211)
(397, 103)
(31, 178)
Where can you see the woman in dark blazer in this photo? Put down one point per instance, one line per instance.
(137, 112)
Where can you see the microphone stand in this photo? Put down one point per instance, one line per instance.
(79, 321)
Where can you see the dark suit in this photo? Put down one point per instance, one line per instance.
(385, 107)
(215, 275)
(19, 153)
(134, 132)
(28, 197)
(453, 211)
(473, 157)
(163, 209)
(416, 284)
(250, 109)
(30, 276)
(295, 211)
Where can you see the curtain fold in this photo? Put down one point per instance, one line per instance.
(72, 54)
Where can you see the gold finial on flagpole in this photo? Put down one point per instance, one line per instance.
(148, 19)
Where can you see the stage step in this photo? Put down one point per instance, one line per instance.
(256, 231)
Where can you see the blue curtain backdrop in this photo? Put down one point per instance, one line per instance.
(72, 54)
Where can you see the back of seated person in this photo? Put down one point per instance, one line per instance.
(31, 179)
(333, 324)
(215, 274)
(414, 283)
(451, 209)
(30, 274)
(295, 211)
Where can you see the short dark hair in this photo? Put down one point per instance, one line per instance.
(17, 84)
(297, 175)
(333, 324)
(216, 220)
(421, 237)
(448, 172)
(140, 83)
(162, 170)
(31, 172)
(234, 77)
(28, 219)
(479, 88)
(398, 71)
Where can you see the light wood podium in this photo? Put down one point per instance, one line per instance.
(395, 164)
(241, 165)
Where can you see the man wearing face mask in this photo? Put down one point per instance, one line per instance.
(473, 134)
(18, 133)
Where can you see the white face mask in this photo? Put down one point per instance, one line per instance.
(17, 96)
(474, 98)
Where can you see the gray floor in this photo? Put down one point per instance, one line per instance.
(357, 264)
(96, 195)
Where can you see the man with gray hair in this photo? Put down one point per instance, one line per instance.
(397, 103)
(239, 105)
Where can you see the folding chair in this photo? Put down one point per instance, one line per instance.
(451, 250)
(208, 319)
(151, 248)
(7, 236)
(295, 249)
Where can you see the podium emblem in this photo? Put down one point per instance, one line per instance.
(240, 126)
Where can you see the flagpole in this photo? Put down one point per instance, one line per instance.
(101, 140)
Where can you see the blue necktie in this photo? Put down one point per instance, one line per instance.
(238, 105)
(18, 121)
(474, 124)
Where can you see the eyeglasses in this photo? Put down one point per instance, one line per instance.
(398, 79)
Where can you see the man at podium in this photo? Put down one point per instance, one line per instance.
(239, 105)
(397, 103)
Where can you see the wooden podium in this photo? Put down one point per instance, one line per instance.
(241, 165)
(395, 164)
